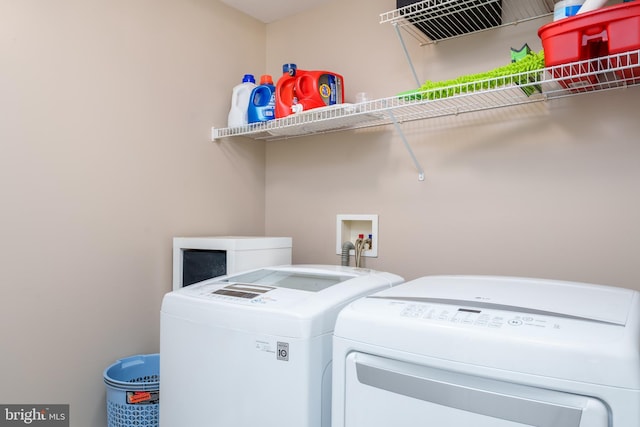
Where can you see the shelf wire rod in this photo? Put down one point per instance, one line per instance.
(406, 54)
(393, 117)
(407, 146)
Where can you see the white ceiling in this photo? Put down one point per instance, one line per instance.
(272, 10)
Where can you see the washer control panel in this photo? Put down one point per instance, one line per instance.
(235, 293)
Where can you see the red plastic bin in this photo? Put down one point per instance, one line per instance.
(606, 31)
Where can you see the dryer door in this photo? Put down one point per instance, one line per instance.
(383, 393)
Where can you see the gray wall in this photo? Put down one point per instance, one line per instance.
(106, 113)
(548, 190)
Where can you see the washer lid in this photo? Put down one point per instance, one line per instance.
(524, 295)
(294, 301)
(300, 280)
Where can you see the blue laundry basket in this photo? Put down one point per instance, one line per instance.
(133, 391)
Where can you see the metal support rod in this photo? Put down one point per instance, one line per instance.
(407, 146)
(406, 54)
(393, 117)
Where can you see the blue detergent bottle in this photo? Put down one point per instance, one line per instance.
(262, 103)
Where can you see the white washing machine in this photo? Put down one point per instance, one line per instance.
(459, 351)
(254, 349)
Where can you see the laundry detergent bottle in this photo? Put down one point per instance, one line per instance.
(262, 103)
(316, 89)
(300, 90)
(285, 91)
(238, 114)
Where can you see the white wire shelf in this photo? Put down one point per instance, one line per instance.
(430, 21)
(609, 72)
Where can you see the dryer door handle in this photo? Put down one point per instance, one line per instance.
(498, 399)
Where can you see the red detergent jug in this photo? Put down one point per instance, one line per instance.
(285, 91)
(318, 89)
(299, 90)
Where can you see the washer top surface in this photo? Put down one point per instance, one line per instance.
(284, 286)
(295, 300)
(300, 279)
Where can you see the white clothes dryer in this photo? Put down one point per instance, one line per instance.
(459, 351)
(254, 349)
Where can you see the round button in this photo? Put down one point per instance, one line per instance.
(515, 322)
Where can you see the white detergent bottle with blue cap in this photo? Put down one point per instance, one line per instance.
(238, 114)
